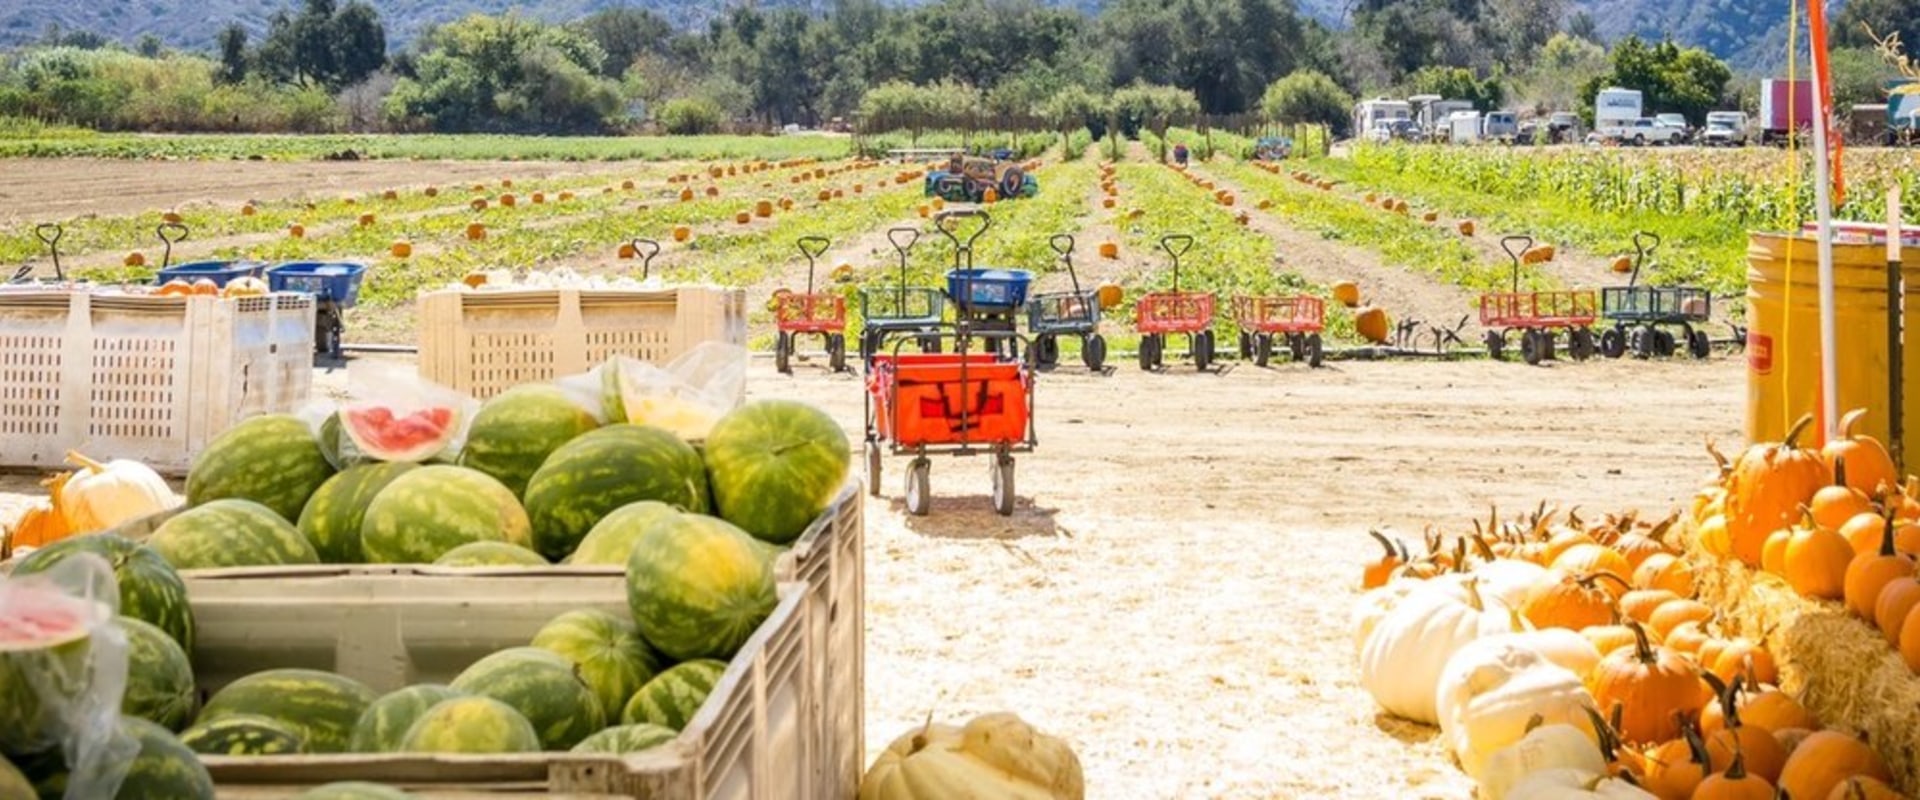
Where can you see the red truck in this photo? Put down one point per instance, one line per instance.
(1786, 109)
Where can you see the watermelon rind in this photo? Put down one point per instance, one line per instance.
(517, 429)
(427, 512)
(160, 687)
(165, 769)
(231, 533)
(352, 790)
(698, 587)
(774, 466)
(331, 520)
(610, 542)
(604, 469)
(623, 739)
(359, 422)
(150, 589)
(324, 706)
(471, 725)
(272, 459)
(674, 696)
(544, 687)
(383, 726)
(245, 735)
(605, 649)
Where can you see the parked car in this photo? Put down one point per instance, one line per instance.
(1725, 129)
(1676, 121)
(1639, 132)
(1561, 127)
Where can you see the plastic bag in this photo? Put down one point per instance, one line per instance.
(405, 417)
(68, 692)
(687, 396)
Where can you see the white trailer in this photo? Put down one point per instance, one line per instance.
(1381, 109)
(1465, 126)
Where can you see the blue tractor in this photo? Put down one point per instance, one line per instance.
(966, 179)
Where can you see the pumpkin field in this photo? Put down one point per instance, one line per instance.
(1188, 589)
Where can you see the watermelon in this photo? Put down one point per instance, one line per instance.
(415, 436)
(230, 533)
(384, 724)
(273, 460)
(774, 466)
(471, 725)
(544, 688)
(490, 554)
(698, 587)
(150, 589)
(589, 477)
(245, 735)
(604, 649)
(611, 540)
(13, 783)
(45, 656)
(321, 705)
(331, 520)
(427, 512)
(624, 739)
(352, 790)
(517, 429)
(160, 686)
(672, 698)
(165, 769)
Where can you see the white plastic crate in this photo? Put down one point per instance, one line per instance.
(485, 342)
(144, 377)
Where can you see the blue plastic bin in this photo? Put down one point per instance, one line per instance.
(335, 280)
(988, 291)
(217, 271)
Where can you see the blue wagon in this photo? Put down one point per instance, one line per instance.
(335, 286)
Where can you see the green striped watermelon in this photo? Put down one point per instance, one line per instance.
(324, 706)
(775, 465)
(589, 477)
(672, 698)
(352, 790)
(427, 512)
(384, 724)
(164, 769)
(230, 533)
(698, 587)
(333, 515)
(517, 429)
(490, 554)
(272, 459)
(471, 725)
(160, 686)
(543, 687)
(245, 735)
(150, 589)
(624, 739)
(606, 651)
(45, 652)
(610, 542)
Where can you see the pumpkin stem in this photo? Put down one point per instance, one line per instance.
(1696, 744)
(1592, 579)
(1486, 551)
(75, 458)
(1459, 555)
(1724, 693)
(1738, 771)
(1886, 540)
(1840, 470)
(1391, 555)
(1533, 722)
(1659, 531)
(1793, 433)
(1850, 419)
(920, 739)
(1642, 649)
(1474, 601)
(1719, 458)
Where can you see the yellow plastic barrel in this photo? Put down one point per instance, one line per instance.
(1783, 335)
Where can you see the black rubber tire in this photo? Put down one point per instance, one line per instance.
(1094, 352)
(837, 352)
(1496, 345)
(1663, 343)
(873, 469)
(1314, 352)
(1698, 345)
(1146, 353)
(782, 353)
(919, 494)
(1003, 493)
(1530, 346)
(1247, 345)
(1262, 349)
(1613, 343)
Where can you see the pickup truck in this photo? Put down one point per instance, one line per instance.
(1641, 132)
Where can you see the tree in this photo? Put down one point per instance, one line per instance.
(1859, 76)
(690, 115)
(233, 54)
(324, 45)
(1688, 81)
(1457, 83)
(359, 44)
(505, 74)
(1883, 17)
(1224, 52)
(1308, 97)
(1559, 71)
(624, 34)
(1153, 107)
(149, 46)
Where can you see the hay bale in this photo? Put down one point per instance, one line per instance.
(1838, 666)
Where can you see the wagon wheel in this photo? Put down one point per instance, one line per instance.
(1613, 343)
(1496, 343)
(1663, 343)
(873, 468)
(1094, 352)
(1698, 344)
(1296, 347)
(1530, 346)
(919, 492)
(1200, 346)
(1262, 349)
(782, 350)
(837, 352)
(1003, 484)
(1246, 346)
(1580, 344)
(1146, 352)
(1314, 354)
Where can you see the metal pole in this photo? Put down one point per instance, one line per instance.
(1896, 357)
(1823, 207)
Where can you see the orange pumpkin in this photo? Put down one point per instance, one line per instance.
(366, 220)
(1669, 616)
(1773, 555)
(1864, 531)
(1824, 760)
(1790, 739)
(175, 288)
(1379, 572)
(1868, 573)
(1371, 323)
(1465, 227)
(1640, 604)
(1863, 788)
(476, 231)
(1109, 250)
(1687, 638)
(1654, 688)
(1570, 600)
(1909, 645)
(1869, 467)
(1776, 711)
(42, 525)
(1897, 599)
(1769, 483)
(401, 248)
(1712, 531)
(1637, 546)
(1737, 783)
(1735, 739)
(431, 191)
(1593, 558)
(1744, 657)
(1833, 505)
(1608, 638)
(206, 287)
(1676, 767)
(1816, 561)
(1665, 571)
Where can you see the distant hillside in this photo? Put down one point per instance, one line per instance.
(1748, 35)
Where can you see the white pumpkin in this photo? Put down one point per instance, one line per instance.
(994, 755)
(1508, 579)
(1375, 604)
(1493, 688)
(1401, 662)
(100, 496)
(1546, 747)
(1569, 784)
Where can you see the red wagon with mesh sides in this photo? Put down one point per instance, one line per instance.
(819, 314)
(1538, 315)
(956, 403)
(1159, 315)
(1296, 320)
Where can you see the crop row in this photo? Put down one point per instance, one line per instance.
(478, 147)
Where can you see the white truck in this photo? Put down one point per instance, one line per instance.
(1500, 126)
(1367, 113)
(1465, 127)
(1725, 129)
(1615, 110)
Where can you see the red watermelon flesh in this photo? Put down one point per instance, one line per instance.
(41, 619)
(416, 436)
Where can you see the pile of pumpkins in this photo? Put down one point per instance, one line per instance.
(1562, 658)
(94, 497)
(1835, 523)
(244, 286)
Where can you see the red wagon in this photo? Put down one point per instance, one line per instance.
(1297, 320)
(956, 403)
(1537, 315)
(1162, 314)
(823, 315)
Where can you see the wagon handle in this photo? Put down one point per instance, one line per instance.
(646, 261)
(1176, 245)
(812, 253)
(162, 230)
(1644, 243)
(962, 248)
(894, 237)
(1062, 243)
(1506, 243)
(52, 241)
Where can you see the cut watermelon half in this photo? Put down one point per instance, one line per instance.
(38, 616)
(415, 436)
